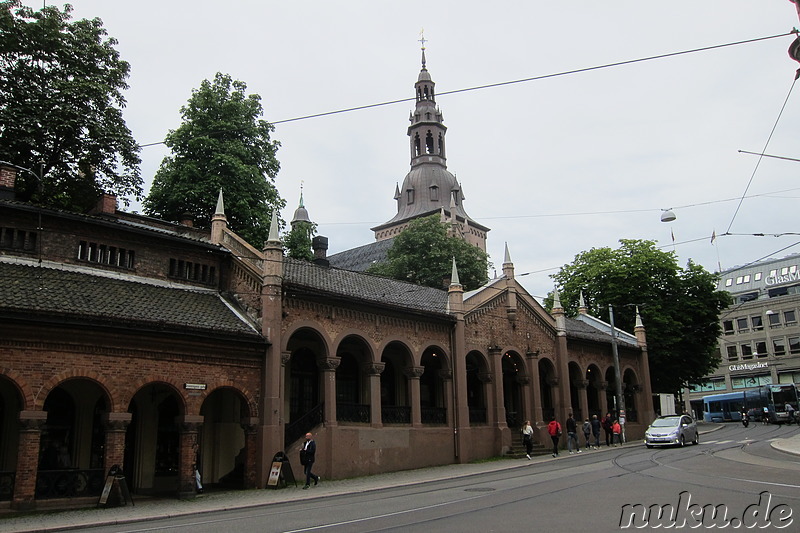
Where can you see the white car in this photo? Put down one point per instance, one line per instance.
(671, 430)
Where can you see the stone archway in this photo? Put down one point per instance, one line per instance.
(223, 441)
(352, 381)
(630, 388)
(593, 389)
(478, 377)
(547, 383)
(433, 400)
(152, 463)
(395, 393)
(72, 441)
(513, 380)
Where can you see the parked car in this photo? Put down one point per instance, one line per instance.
(671, 430)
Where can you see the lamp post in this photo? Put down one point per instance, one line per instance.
(620, 399)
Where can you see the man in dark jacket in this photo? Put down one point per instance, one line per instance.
(596, 431)
(307, 457)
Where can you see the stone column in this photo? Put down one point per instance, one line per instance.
(486, 378)
(537, 416)
(328, 366)
(413, 374)
(583, 399)
(373, 371)
(115, 425)
(189, 426)
(30, 433)
(250, 427)
(524, 383)
(446, 376)
(498, 415)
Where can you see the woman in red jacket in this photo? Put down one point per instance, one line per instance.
(554, 429)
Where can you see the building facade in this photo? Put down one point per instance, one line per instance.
(156, 346)
(760, 341)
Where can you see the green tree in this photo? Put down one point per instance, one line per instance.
(298, 240)
(423, 254)
(680, 307)
(222, 143)
(61, 103)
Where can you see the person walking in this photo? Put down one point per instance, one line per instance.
(572, 435)
(789, 412)
(607, 422)
(596, 431)
(616, 433)
(554, 430)
(527, 438)
(307, 457)
(587, 432)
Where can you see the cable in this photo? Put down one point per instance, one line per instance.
(761, 156)
(523, 80)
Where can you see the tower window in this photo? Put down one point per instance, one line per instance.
(429, 143)
(410, 196)
(416, 145)
(434, 194)
(441, 145)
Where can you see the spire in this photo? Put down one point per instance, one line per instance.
(639, 323)
(423, 41)
(582, 305)
(220, 210)
(507, 257)
(273, 228)
(508, 266)
(556, 300)
(300, 214)
(454, 275)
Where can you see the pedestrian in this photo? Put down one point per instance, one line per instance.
(198, 481)
(527, 438)
(587, 432)
(572, 435)
(607, 422)
(789, 412)
(596, 431)
(307, 457)
(554, 430)
(616, 432)
(765, 416)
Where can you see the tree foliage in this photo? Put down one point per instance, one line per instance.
(221, 143)
(61, 104)
(680, 308)
(298, 240)
(423, 253)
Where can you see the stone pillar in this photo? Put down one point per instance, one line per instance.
(524, 383)
(374, 371)
(583, 399)
(446, 376)
(30, 432)
(498, 416)
(189, 426)
(486, 378)
(328, 367)
(250, 427)
(537, 416)
(413, 374)
(115, 425)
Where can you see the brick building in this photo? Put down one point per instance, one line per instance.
(130, 341)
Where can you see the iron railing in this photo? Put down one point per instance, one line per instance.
(72, 483)
(304, 424)
(396, 414)
(478, 416)
(434, 415)
(353, 412)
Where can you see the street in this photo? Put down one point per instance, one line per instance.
(733, 471)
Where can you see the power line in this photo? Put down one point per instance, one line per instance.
(524, 80)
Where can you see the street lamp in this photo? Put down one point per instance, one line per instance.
(667, 215)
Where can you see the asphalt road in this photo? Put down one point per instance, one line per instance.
(733, 472)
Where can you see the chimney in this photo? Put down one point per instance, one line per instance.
(187, 219)
(8, 177)
(320, 246)
(106, 205)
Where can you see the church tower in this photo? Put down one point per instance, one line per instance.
(429, 188)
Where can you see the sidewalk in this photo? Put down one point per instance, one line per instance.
(150, 509)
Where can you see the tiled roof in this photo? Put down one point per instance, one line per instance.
(581, 330)
(27, 289)
(361, 258)
(365, 287)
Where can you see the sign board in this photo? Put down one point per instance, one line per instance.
(115, 474)
(195, 386)
(274, 474)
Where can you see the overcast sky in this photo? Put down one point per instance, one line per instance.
(553, 166)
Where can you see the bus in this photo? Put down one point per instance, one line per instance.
(774, 398)
(728, 407)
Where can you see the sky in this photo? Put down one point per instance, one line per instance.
(554, 166)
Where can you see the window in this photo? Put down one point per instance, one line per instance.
(757, 276)
(727, 327)
(747, 351)
(739, 280)
(741, 325)
(733, 355)
(434, 194)
(792, 269)
(178, 268)
(747, 297)
(729, 282)
(17, 239)
(789, 318)
(794, 344)
(773, 273)
(410, 196)
(774, 320)
(105, 255)
(758, 324)
(747, 278)
(761, 349)
(779, 346)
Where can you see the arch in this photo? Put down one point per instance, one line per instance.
(152, 439)
(18, 381)
(222, 440)
(611, 392)
(354, 340)
(355, 355)
(429, 149)
(73, 373)
(307, 348)
(593, 390)
(307, 332)
(478, 379)
(436, 368)
(630, 386)
(395, 395)
(547, 380)
(514, 376)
